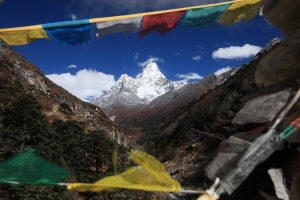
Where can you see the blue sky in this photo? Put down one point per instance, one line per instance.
(121, 53)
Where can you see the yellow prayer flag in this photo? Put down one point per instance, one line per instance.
(148, 162)
(242, 10)
(150, 175)
(21, 36)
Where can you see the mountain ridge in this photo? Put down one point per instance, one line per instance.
(164, 106)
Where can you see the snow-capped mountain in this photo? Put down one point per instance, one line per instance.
(168, 104)
(138, 91)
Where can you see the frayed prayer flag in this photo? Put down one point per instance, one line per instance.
(204, 16)
(130, 25)
(242, 10)
(70, 32)
(149, 175)
(22, 36)
(161, 22)
(29, 168)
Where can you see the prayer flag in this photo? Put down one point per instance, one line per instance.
(150, 175)
(20, 37)
(71, 32)
(131, 25)
(204, 16)
(296, 123)
(161, 22)
(242, 10)
(29, 168)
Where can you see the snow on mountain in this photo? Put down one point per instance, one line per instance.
(223, 70)
(168, 104)
(141, 90)
(223, 74)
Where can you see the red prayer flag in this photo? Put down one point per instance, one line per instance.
(161, 22)
(296, 123)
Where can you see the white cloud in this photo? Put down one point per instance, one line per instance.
(189, 76)
(73, 16)
(72, 66)
(86, 84)
(150, 60)
(197, 58)
(223, 70)
(236, 52)
(136, 56)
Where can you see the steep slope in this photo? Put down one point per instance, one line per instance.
(136, 92)
(166, 105)
(20, 76)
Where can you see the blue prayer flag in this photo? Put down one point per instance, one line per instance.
(70, 32)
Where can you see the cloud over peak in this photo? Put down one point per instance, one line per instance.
(72, 66)
(86, 84)
(151, 59)
(189, 76)
(236, 52)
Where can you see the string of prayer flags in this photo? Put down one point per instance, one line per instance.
(204, 16)
(130, 25)
(162, 23)
(29, 168)
(23, 36)
(242, 10)
(76, 32)
(149, 175)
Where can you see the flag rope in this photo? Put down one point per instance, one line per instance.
(187, 191)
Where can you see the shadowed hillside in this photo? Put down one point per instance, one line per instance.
(188, 141)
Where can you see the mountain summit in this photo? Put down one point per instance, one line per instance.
(138, 91)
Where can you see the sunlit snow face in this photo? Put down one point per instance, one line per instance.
(142, 89)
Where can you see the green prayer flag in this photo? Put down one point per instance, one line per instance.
(204, 16)
(29, 168)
